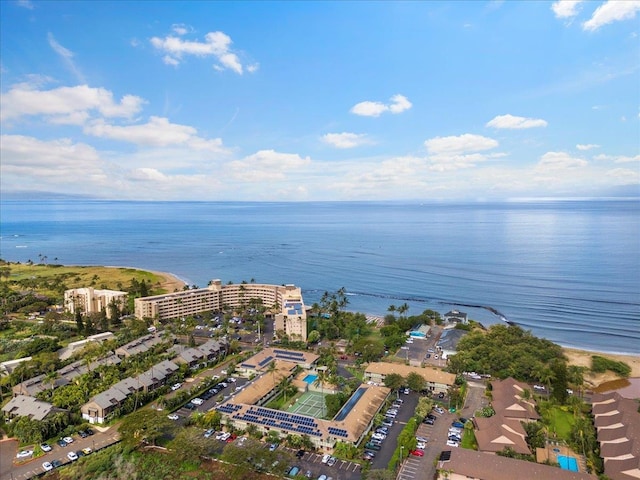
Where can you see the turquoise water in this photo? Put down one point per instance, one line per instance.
(568, 463)
(310, 378)
(567, 271)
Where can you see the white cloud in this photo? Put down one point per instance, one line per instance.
(612, 11)
(215, 44)
(586, 146)
(566, 8)
(67, 57)
(515, 123)
(181, 28)
(463, 143)
(345, 139)
(267, 165)
(617, 158)
(65, 102)
(625, 175)
(559, 161)
(158, 132)
(398, 104)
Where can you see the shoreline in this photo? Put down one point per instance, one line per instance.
(575, 356)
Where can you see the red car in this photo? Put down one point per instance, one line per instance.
(231, 438)
(417, 453)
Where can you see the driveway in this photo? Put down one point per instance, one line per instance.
(383, 456)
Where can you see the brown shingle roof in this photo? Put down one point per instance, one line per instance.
(485, 466)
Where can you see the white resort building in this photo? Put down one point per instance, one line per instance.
(284, 300)
(89, 300)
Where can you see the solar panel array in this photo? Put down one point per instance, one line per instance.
(248, 365)
(265, 361)
(283, 420)
(289, 355)
(229, 408)
(340, 432)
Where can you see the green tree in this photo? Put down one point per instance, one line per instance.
(416, 382)
(394, 381)
(143, 425)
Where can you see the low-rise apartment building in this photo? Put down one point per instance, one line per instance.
(436, 380)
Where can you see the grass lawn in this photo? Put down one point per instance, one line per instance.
(469, 440)
(559, 421)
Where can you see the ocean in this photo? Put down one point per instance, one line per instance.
(568, 271)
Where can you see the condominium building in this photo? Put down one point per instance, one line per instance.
(90, 300)
(285, 301)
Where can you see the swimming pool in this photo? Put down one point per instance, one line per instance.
(346, 408)
(568, 463)
(310, 378)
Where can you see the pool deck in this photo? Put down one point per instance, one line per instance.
(548, 453)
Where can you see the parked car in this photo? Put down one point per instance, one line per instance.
(379, 436)
(451, 443)
(422, 439)
(457, 424)
(176, 386)
(45, 447)
(83, 434)
(429, 421)
(68, 440)
(62, 443)
(24, 454)
(87, 450)
(384, 430)
(209, 432)
(173, 416)
(421, 446)
(325, 458)
(432, 416)
(440, 410)
(47, 467)
(388, 423)
(371, 446)
(56, 463)
(300, 453)
(72, 456)
(294, 471)
(272, 447)
(417, 453)
(332, 461)
(197, 401)
(231, 438)
(322, 477)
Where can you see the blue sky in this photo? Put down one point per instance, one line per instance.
(297, 101)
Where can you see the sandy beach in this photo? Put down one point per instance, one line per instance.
(170, 282)
(582, 358)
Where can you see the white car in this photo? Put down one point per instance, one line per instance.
(451, 443)
(225, 435)
(232, 379)
(439, 410)
(173, 416)
(326, 458)
(223, 372)
(422, 439)
(68, 439)
(24, 454)
(72, 456)
(454, 431)
(47, 467)
(379, 436)
(538, 387)
(220, 435)
(176, 386)
(421, 446)
(197, 401)
(45, 447)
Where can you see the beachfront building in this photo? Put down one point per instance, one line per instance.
(465, 464)
(617, 423)
(447, 344)
(436, 380)
(89, 300)
(284, 301)
(141, 344)
(455, 316)
(201, 356)
(74, 347)
(248, 406)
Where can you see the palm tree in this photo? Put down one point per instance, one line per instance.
(283, 386)
(272, 369)
(320, 379)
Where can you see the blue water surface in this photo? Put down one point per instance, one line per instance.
(569, 271)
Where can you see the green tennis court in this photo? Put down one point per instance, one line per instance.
(310, 403)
